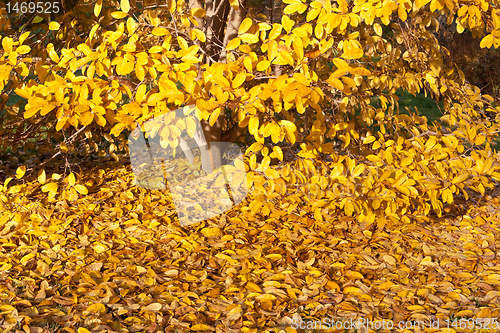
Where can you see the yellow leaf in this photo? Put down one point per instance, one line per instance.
(349, 208)
(266, 297)
(100, 120)
(263, 65)
(352, 53)
(402, 12)
(378, 29)
(253, 287)
(31, 112)
(46, 109)
(335, 83)
(454, 296)
(354, 275)
(7, 307)
(27, 258)
(153, 307)
(234, 43)
(249, 38)
(182, 43)
(256, 146)
(427, 261)
(42, 177)
(40, 296)
(125, 6)
(265, 162)
(358, 170)
(271, 173)
(415, 308)
(369, 139)
(288, 125)
(460, 178)
(359, 71)
(7, 181)
(188, 109)
(290, 129)
(276, 134)
(389, 259)
(54, 26)
(406, 161)
(245, 25)
(157, 31)
(198, 12)
(100, 248)
(480, 139)
(172, 6)
(23, 93)
(83, 330)
(276, 31)
(352, 290)
(200, 35)
(312, 14)
(93, 31)
(239, 79)
(140, 93)
(248, 64)
(211, 232)
(191, 126)
(464, 313)
(118, 15)
(487, 41)
(234, 314)
(71, 179)
(234, 4)
(81, 189)
(278, 152)
(156, 49)
(287, 23)
(200, 327)
(97, 8)
(214, 116)
(421, 3)
(64, 147)
(20, 171)
(86, 118)
(50, 187)
(484, 313)
(447, 195)
(253, 125)
(37, 19)
(171, 272)
(97, 308)
(7, 44)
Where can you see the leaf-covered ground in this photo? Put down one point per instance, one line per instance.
(117, 260)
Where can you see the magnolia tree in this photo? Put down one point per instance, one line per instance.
(320, 76)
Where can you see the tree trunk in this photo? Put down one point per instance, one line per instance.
(233, 25)
(220, 25)
(211, 154)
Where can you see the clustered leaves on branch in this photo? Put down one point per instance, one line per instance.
(324, 79)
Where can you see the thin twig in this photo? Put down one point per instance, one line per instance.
(71, 138)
